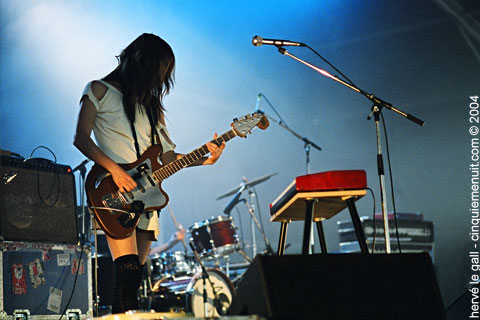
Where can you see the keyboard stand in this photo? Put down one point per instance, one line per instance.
(317, 206)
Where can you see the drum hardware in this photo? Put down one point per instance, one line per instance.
(246, 184)
(177, 263)
(251, 209)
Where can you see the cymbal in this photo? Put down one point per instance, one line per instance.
(247, 184)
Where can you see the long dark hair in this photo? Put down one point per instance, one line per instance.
(145, 74)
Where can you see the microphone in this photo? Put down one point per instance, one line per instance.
(84, 162)
(258, 41)
(236, 199)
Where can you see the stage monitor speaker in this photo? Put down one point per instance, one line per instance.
(37, 201)
(340, 286)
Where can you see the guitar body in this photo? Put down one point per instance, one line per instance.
(113, 210)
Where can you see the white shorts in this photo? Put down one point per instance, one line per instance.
(149, 221)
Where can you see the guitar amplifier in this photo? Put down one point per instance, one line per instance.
(415, 235)
(37, 201)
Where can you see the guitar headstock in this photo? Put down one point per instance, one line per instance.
(243, 126)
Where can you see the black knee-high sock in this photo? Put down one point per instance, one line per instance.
(127, 277)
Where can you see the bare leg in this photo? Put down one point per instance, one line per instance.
(144, 241)
(122, 247)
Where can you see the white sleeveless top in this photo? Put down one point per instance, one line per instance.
(112, 128)
(113, 135)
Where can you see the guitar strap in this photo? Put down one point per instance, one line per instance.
(153, 134)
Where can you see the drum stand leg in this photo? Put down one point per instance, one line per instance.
(227, 265)
(269, 249)
(244, 255)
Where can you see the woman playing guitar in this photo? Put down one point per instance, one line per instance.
(126, 114)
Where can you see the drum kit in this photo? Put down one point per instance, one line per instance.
(198, 282)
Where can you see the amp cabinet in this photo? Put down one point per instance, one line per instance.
(37, 201)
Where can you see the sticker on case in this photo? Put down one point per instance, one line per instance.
(46, 255)
(19, 284)
(36, 273)
(63, 259)
(76, 264)
(54, 300)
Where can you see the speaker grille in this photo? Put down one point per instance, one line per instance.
(37, 201)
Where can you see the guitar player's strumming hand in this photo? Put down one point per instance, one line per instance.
(122, 179)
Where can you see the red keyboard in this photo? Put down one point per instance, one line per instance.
(323, 181)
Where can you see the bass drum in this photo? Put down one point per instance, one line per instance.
(223, 288)
(185, 294)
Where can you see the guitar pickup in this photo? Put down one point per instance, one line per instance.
(149, 178)
(130, 195)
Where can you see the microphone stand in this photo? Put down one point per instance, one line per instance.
(306, 147)
(283, 124)
(217, 304)
(378, 105)
(82, 169)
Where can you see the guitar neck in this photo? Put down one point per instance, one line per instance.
(189, 158)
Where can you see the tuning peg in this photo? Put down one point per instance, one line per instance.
(235, 119)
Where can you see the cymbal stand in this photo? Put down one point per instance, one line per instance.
(251, 210)
(378, 104)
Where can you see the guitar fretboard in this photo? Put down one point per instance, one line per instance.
(174, 166)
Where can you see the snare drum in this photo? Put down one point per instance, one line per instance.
(214, 237)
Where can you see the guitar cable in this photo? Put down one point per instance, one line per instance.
(38, 177)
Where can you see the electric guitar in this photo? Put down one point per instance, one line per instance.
(118, 213)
